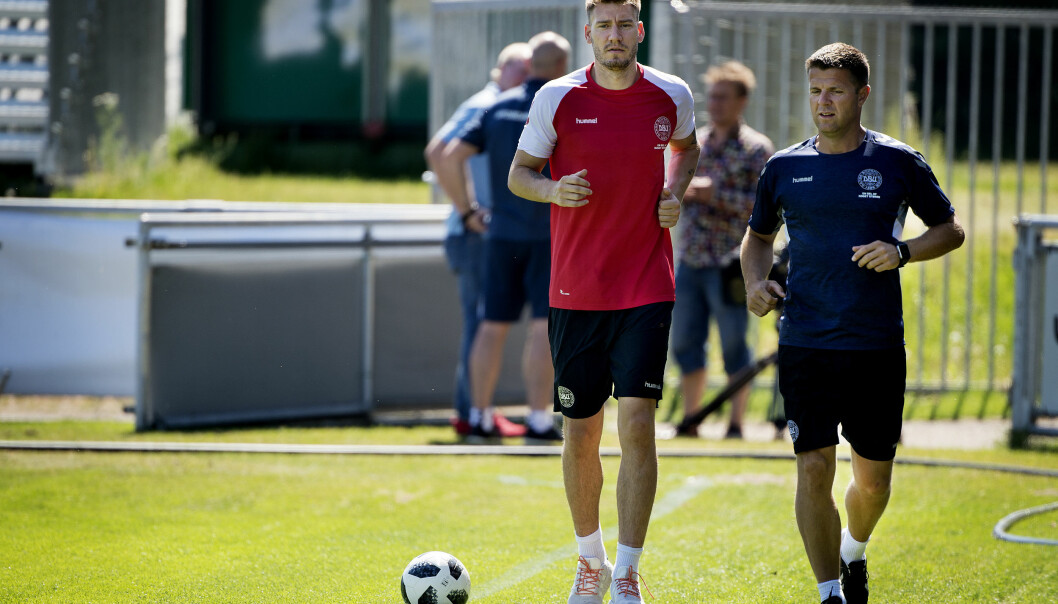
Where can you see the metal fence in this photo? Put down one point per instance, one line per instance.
(962, 86)
(23, 80)
(468, 34)
(972, 89)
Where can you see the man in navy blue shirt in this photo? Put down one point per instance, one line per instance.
(517, 250)
(463, 242)
(843, 195)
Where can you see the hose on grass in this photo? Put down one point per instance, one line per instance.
(1000, 530)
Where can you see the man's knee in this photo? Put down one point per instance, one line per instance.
(582, 435)
(874, 486)
(538, 332)
(493, 331)
(815, 471)
(636, 420)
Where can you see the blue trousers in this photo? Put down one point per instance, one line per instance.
(466, 258)
(699, 298)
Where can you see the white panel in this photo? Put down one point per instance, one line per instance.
(67, 304)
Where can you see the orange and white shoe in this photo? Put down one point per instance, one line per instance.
(593, 575)
(625, 586)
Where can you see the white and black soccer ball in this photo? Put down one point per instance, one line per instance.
(435, 578)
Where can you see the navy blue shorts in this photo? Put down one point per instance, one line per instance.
(863, 390)
(516, 273)
(599, 353)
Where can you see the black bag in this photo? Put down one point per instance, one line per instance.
(733, 286)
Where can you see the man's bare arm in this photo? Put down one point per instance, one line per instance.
(938, 240)
(525, 180)
(762, 294)
(450, 168)
(682, 163)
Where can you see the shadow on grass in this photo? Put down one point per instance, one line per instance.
(957, 405)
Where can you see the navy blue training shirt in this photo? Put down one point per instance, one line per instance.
(831, 202)
(497, 132)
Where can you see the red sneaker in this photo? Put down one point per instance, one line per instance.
(506, 427)
(462, 426)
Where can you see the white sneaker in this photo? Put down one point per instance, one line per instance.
(625, 586)
(593, 575)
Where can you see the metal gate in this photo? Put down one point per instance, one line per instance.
(979, 82)
(971, 89)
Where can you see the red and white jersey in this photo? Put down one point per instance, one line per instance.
(610, 254)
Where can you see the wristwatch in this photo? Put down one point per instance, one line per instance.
(904, 253)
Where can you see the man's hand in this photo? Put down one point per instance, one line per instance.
(668, 209)
(700, 190)
(876, 256)
(571, 191)
(477, 222)
(763, 296)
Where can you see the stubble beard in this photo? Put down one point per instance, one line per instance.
(619, 64)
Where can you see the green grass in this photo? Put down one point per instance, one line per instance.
(195, 177)
(135, 527)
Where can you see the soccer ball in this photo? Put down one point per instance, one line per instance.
(435, 578)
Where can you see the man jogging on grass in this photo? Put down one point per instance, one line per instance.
(843, 195)
(604, 130)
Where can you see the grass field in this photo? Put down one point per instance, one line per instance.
(206, 527)
(236, 527)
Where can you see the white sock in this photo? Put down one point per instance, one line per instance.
(852, 550)
(829, 589)
(475, 416)
(541, 420)
(628, 556)
(592, 545)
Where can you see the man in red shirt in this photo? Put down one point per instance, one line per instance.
(605, 129)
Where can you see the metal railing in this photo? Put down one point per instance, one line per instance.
(930, 75)
(1033, 394)
(969, 88)
(368, 235)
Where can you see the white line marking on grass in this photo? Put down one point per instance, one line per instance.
(671, 502)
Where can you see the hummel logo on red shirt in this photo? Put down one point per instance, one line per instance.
(588, 120)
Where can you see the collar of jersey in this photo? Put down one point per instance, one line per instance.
(591, 83)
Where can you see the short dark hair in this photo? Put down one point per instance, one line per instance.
(734, 72)
(589, 5)
(842, 56)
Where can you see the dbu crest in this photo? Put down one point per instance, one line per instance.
(870, 179)
(663, 128)
(565, 397)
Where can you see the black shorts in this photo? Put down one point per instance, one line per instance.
(516, 273)
(599, 353)
(863, 390)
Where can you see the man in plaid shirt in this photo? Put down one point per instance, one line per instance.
(716, 210)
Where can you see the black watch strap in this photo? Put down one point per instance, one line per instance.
(904, 252)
